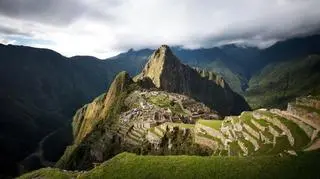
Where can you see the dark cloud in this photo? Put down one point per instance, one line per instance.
(56, 12)
(118, 25)
(13, 31)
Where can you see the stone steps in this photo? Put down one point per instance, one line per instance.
(251, 131)
(251, 139)
(259, 126)
(314, 146)
(266, 137)
(136, 133)
(134, 137)
(313, 123)
(243, 148)
(309, 101)
(305, 112)
(153, 138)
(275, 120)
(211, 143)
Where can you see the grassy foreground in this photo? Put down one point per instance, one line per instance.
(126, 165)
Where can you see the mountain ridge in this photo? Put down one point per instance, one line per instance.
(166, 71)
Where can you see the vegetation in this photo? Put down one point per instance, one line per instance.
(126, 165)
(215, 124)
(49, 173)
(163, 101)
(280, 82)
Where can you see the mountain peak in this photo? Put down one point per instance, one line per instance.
(163, 53)
(167, 73)
(160, 62)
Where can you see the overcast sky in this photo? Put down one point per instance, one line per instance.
(103, 28)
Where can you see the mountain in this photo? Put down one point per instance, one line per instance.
(127, 165)
(40, 89)
(243, 67)
(161, 94)
(169, 74)
(264, 143)
(39, 92)
(280, 82)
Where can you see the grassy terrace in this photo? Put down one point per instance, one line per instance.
(300, 137)
(181, 125)
(246, 117)
(154, 132)
(269, 114)
(215, 124)
(128, 165)
(211, 138)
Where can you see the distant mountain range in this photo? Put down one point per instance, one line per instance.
(40, 90)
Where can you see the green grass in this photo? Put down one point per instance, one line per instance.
(282, 143)
(181, 125)
(264, 149)
(249, 146)
(235, 149)
(154, 132)
(163, 101)
(126, 165)
(262, 122)
(215, 124)
(269, 114)
(49, 173)
(246, 117)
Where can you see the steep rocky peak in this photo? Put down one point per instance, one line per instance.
(163, 50)
(164, 54)
(87, 117)
(121, 81)
(162, 60)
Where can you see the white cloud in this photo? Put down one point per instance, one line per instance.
(108, 27)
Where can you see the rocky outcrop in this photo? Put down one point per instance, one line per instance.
(100, 109)
(167, 73)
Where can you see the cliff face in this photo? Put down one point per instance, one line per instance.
(89, 115)
(167, 73)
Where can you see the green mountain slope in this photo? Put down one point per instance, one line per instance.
(127, 165)
(39, 92)
(279, 83)
(263, 143)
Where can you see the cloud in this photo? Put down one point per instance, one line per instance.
(12, 31)
(104, 28)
